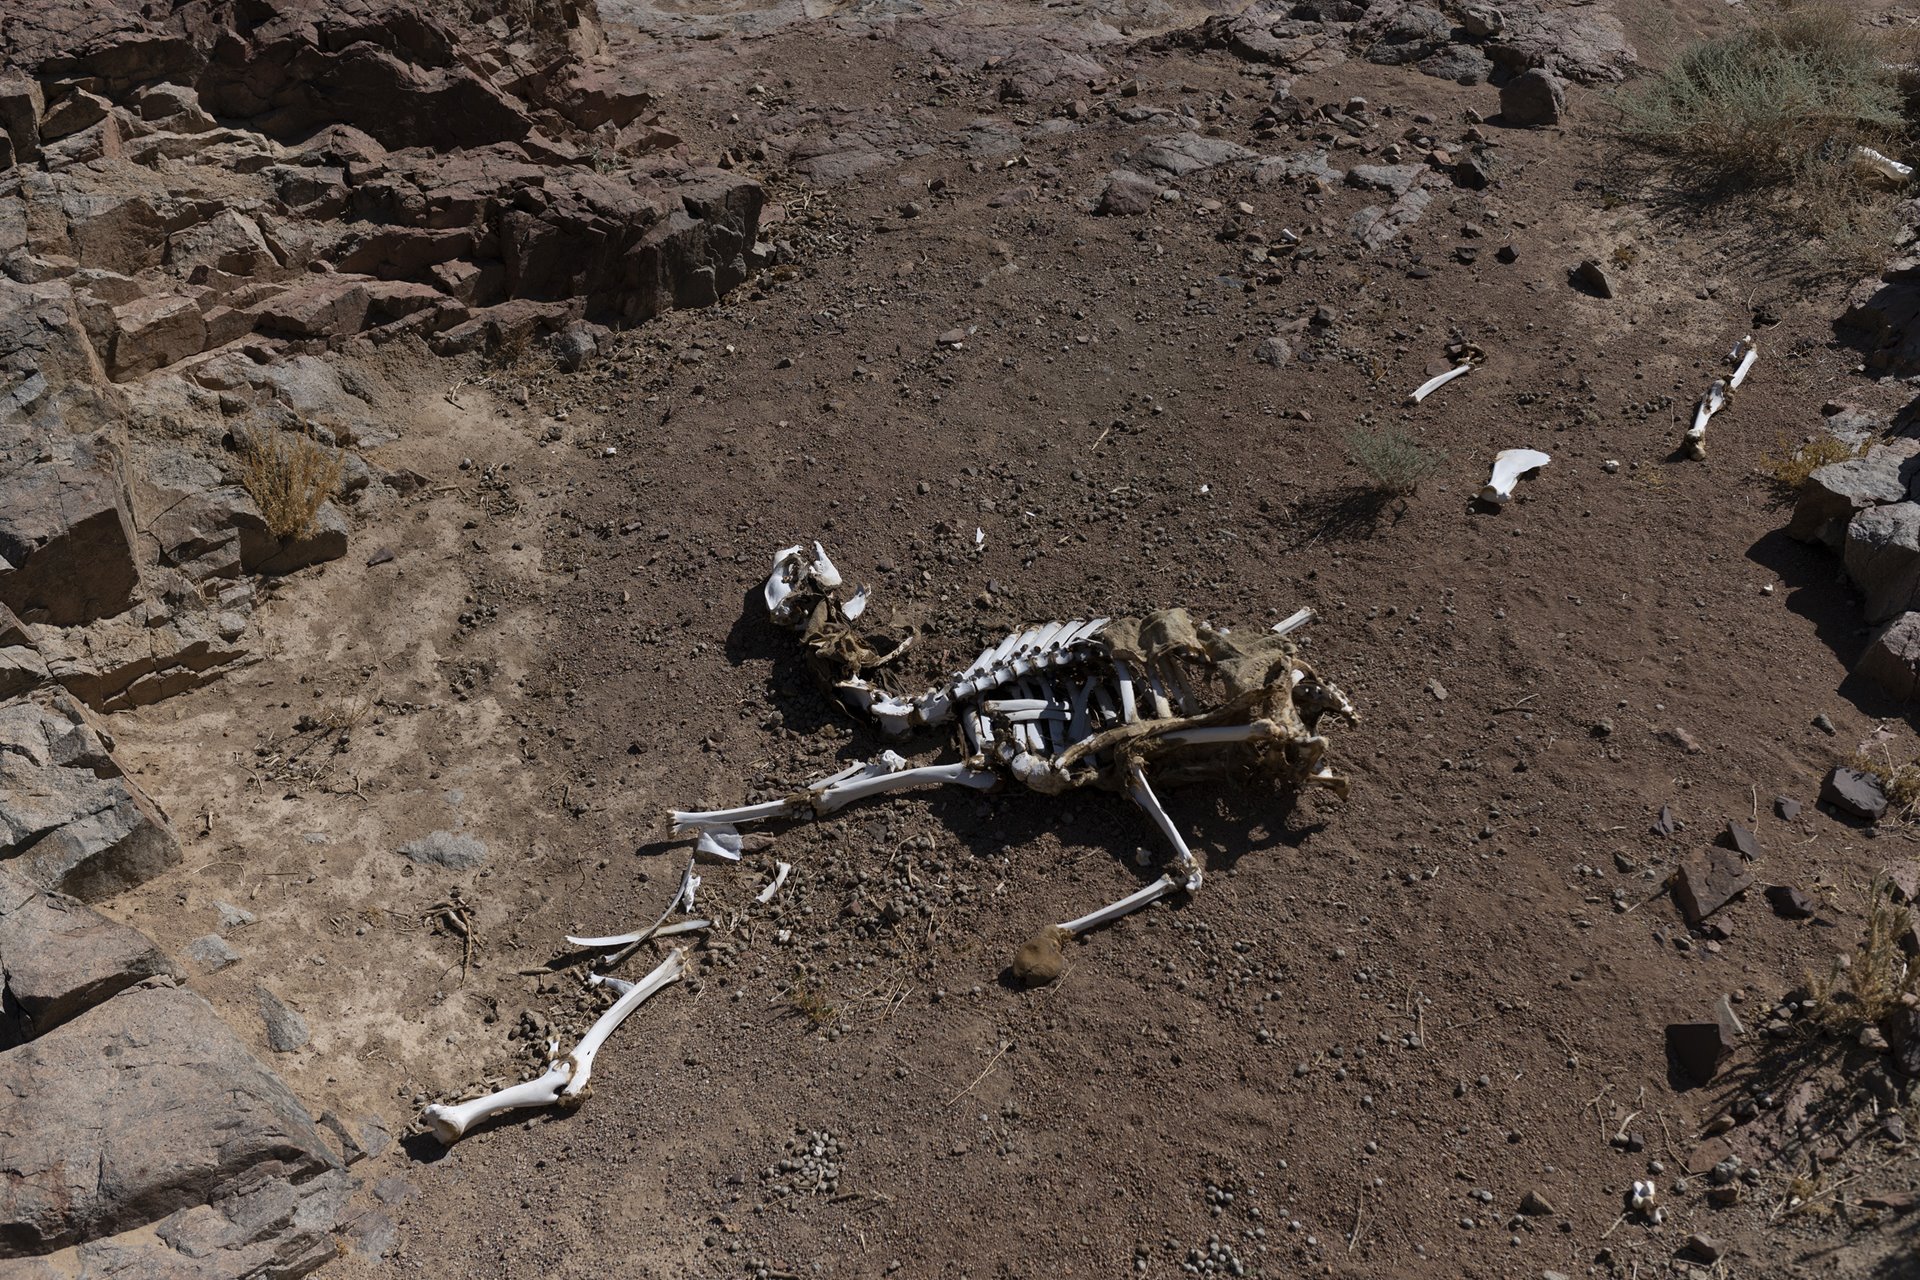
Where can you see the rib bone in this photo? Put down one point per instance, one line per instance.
(1436, 382)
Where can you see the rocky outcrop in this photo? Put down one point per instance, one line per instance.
(1880, 318)
(60, 957)
(1834, 494)
(70, 820)
(142, 1138)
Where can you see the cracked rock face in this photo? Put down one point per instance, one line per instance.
(70, 820)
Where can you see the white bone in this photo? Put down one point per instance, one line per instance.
(1216, 734)
(1294, 621)
(1126, 906)
(565, 1077)
(1508, 466)
(853, 608)
(1142, 795)
(606, 1024)
(1711, 403)
(1884, 166)
(719, 845)
(684, 894)
(779, 878)
(979, 538)
(620, 985)
(1129, 712)
(822, 568)
(1436, 382)
(682, 926)
(1742, 356)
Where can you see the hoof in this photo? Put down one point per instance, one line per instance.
(1039, 961)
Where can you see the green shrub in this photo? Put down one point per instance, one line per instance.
(1394, 461)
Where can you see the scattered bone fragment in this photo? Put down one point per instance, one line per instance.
(1882, 166)
(1508, 466)
(1465, 356)
(779, 878)
(1717, 395)
(566, 1081)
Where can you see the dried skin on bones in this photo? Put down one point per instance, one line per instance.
(1116, 703)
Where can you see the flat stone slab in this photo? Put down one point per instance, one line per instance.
(60, 957)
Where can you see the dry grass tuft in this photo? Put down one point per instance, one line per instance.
(1394, 461)
(289, 477)
(1787, 465)
(1771, 114)
(1865, 987)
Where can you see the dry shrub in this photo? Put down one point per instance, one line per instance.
(1774, 111)
(1392, 459)
(289, 477)
(1866, 986)
(1787, 465)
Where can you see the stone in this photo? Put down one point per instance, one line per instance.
(1532, 99)
(78, 111)
(1854, 793)
(1127, 194)
(1183, 153)
(1482, 21)
(446, 849)
(60, 957)
(66, 538)
(1474, 172)
(1882, 556)
(1786, 808)
(1789, 903)
(1705, 1247)
(1507, 253)
(1698, 1048)
(69, 819)
(21, 666)
(325, 539)
(326, 307)
(1742, 841)
(1274, 350)
(1892, 658)
(1664, 824)
(152, 333)
(21, 106)
(1459, 63)
(1834, 494)
(212, 953)
(1590, 277)
(574, 346)
(141, 1107)
(230, 242)
(232, 917)
(286, 1030)
(1395, 178)
(1707, 882)
(1376, 228)
(1535, 1205)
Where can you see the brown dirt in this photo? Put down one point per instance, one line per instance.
(1373, 1012)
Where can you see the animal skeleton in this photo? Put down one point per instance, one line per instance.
(1717, 395)
(1095, 702)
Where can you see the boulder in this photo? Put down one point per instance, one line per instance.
(229, 242)
(21, 106)
(21, 666)
(1532, 99)
(69, 819)
(1882, 555)
(66, 540)
(60, 957)
(324, 539)
(78, 111)
(1834, 494)
(328, 306)
(1482, 20)
(1892, 658)
(1127, 195)
(1854, 793)
(135, 1111)
(1395, 178)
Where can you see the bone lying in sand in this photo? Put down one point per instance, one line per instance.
(1717, 395)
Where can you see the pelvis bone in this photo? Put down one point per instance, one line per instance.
(1098, 702)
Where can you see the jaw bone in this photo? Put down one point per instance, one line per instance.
(566, 1080)
(1508, 466)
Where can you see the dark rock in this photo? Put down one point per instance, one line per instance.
(1742, 841)
(1902, 1029)
(66, 539)
(1854, 793)
(21, 666)
(1590, 277)
(1127, 194)
(1789, 903)
(1698, 1048)
(1473, 171)
(1705, 1247)
(1398, 179)
(286, 1030)
(1507, 253)
(1535, 1205)
(446, 849)
(141, 1108)
(1183, 153)
(1882, 555)
(1533, 98)
(1664, 825)
(70, 820)
(1892, 658)
(1274, 350)
(60, 957)
(1707, 882)
(1834, 494)
(1785, 808)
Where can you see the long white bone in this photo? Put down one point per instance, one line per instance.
(1126, 906)
(1717, 395)
(1436, 382)
(566, 1079)
(1142, 795)
(1294, 621)
(828, 798)
(684, 894)
(1508, 466)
